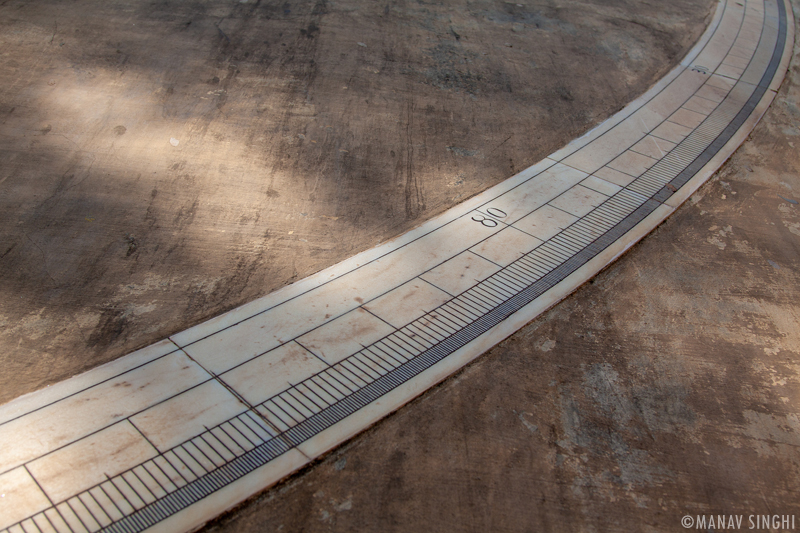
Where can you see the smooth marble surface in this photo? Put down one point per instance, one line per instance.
(632, 163)
(31, 402)
(654, 147)
(76, 416)
(603, 186)
(408, 302)
(579, 200)
(264, 376)
(460, 273)
(344, 336)
(184, 416)
(21, 498)
(89, 461)
(672, 132)
(546, 222)
(506, 246)
(539, 190)
(687, 118)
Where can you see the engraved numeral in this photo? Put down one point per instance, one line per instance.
(488, 222)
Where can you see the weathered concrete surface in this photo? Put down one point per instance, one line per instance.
(667, 386)
(161, 163)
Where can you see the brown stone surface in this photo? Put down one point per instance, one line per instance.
(161, 163)
(667, 386)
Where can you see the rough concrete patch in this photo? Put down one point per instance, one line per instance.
(770, 431)
(462, 151)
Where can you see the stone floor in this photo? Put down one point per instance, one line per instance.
(162, 163)
(666, 386)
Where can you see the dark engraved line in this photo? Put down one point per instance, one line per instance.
(397, 348)
(330, 383)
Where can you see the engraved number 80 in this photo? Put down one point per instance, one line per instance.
(490, 222)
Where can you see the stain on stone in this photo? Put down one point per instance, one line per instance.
(8, 250)
(186, 214)
(132, 245)
(311, 31)
(112, 325)
(462, 151)
(452, 70)
(564, 93)
(533, 428)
